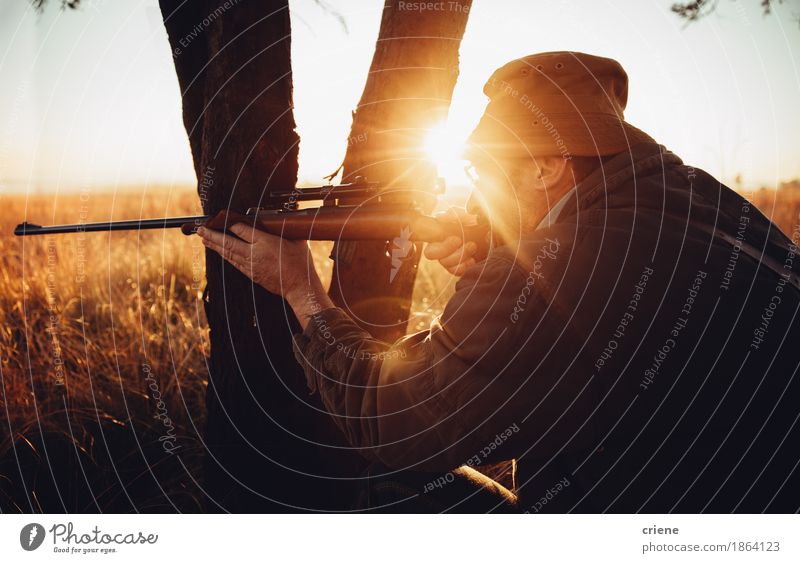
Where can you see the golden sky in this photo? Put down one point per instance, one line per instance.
(89, 97)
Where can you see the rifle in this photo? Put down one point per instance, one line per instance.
(359, 210)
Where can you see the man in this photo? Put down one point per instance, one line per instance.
(629, 340)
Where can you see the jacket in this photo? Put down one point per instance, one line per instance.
(637, 354)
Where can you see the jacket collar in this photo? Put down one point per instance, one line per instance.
(620, 170)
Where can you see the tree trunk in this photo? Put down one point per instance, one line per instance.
(234, 70)
(408, 90)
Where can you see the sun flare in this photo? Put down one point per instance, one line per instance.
(445, 148)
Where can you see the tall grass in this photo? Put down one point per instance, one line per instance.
(96, 328)
(86, 319)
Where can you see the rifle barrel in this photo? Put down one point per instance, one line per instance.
(26, 229)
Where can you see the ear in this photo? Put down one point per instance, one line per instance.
(552, 172)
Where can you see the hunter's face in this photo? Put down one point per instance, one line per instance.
(503, 194)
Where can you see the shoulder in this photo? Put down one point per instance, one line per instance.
(508, 268)
(512, 284)
(488, 284)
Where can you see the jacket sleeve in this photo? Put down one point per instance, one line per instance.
(423, 401)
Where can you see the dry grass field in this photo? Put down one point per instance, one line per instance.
(89, 322)
(96, 327)
(85, 318)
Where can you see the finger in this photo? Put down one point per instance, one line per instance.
(463, 267)
(459, 215)
(211, 245)
(224, 244)
(463, 254)
(450, 215)
(222, 250)
(439, 250)
(243, 265)
(244, 232)
(245, 268)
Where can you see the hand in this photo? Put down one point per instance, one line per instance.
(283, 267)
(452, 253)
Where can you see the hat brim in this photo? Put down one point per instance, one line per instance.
(556, 134)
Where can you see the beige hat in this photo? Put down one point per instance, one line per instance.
(560, 103)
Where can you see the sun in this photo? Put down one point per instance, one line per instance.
(445, 147)
(442, 145)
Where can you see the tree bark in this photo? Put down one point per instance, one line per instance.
(409, 88)
(234, 71)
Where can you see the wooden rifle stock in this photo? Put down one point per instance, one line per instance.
(364, 222)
